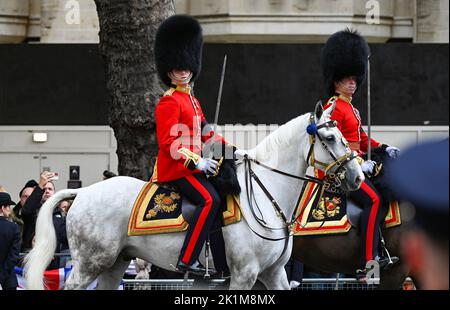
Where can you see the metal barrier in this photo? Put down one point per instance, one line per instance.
(173, 284)
(328, 284)
(158, 285)
(220, 284)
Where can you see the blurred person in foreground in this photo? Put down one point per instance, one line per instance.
(420, 179)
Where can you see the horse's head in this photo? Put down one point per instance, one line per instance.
(330, 150)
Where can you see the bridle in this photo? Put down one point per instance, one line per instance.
(339, 174)
(339, 162)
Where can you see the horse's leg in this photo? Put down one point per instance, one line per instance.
(111, 277)
(242, 260)
(275, 278)
(393, 278)
(243, 278)
(79, 278)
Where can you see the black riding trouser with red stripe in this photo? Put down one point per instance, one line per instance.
(373, 212)
(201, 193)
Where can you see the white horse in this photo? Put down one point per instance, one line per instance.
(98, 219)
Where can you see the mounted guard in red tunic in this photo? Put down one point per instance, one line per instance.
(344, 67)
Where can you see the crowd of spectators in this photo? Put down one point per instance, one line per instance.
(18, 225)
(24, 214)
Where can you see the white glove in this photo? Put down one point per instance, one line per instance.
(240, 154)
(393, 151)
(367, 166)
(207, 165)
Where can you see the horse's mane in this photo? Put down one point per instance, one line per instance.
(281, 137)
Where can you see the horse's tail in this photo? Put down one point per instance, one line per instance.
(45, 243)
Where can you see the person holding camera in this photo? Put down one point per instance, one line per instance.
(43, 191)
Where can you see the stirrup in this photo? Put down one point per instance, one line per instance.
(388, 262)
(196, 268)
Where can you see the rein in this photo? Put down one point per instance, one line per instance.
(305, 178)
(250, 174)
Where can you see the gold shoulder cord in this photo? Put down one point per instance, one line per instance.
(169, 92)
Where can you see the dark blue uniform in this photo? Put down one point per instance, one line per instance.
(9, 253)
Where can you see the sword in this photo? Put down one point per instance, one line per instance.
(216, 116)
(219, 96)
(369, 131)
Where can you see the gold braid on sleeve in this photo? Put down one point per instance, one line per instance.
(192, 159)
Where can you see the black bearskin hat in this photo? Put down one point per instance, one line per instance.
(178, 45)
(345, 54)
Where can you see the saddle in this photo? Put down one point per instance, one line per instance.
(160, 208)
(321, 212)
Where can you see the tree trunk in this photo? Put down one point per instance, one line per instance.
(127, 33)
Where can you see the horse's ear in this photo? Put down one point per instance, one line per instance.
(318, 111)
(329, 110)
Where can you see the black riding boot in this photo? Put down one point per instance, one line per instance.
(218, 253)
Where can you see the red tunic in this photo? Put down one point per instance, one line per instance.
(349, 123)
(179, 124)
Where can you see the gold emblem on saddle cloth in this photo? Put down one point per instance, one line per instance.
(149, 197)
(165, 203)
(327, 207)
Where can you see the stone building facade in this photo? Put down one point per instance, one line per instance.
(239, 21)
